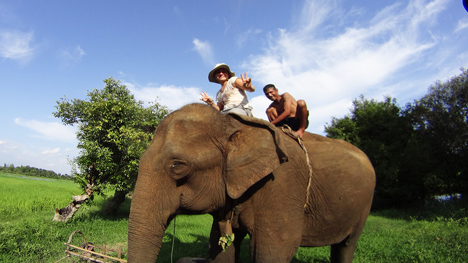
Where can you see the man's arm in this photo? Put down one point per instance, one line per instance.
(287, 101)
(271, 113)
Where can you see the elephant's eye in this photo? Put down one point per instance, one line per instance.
(179, 169)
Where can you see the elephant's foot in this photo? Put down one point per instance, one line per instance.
(191, 260)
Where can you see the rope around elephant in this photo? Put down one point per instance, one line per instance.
(288, 131)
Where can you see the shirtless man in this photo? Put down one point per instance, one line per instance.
(286, 110)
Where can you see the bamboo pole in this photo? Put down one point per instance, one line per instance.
(91, 252)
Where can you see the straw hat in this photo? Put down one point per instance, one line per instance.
(211, 75)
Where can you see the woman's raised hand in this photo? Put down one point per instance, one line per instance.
(245, 80)
(205, 98)
(245, 83)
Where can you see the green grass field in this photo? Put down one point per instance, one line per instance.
(438, 233)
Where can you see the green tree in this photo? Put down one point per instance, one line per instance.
(113, 131)
(383, 133)
(440, 118)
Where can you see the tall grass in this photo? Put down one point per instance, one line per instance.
(436, 232)
(27, 233)
(23, 195)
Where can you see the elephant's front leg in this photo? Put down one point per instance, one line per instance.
(266, 250)
(275, 243)
(232, 253)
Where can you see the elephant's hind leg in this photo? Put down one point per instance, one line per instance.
(342, 252)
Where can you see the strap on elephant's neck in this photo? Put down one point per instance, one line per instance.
(288, 131)
(173, 239)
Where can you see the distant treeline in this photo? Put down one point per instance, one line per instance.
(33, 171)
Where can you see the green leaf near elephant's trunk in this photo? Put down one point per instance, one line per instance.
(226, 241)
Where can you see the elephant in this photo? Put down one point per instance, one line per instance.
(253, 179)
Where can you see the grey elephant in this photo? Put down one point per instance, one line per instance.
(253, 179)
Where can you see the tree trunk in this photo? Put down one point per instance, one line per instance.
(67, 213)
(114, 203)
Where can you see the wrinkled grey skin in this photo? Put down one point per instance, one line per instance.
(247, 173)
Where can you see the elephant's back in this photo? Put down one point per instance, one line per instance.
(311, 139)
(323, 150)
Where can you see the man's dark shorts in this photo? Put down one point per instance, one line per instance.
(291, 122)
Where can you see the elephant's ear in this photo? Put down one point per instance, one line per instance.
(254, 149)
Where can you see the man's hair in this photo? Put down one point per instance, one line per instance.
(269, 86)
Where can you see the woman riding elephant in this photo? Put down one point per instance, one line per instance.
(253, 179)
(231, 97)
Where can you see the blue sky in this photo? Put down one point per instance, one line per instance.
(326, 52)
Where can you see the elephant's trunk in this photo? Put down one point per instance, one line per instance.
(144, 242)
(151, 210)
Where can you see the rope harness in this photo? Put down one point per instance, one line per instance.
(288, 131)
(173, 240)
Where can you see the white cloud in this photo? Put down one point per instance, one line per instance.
(329, 71)
(242, 38)
(51, 152)
(53, 131)
(462, 24)
(16, 45)
(72, 54)
(6, 147)
(80, 51)
(168, 95)
(204, 49)
(12, 152)
(260, 104)
(315, 12)
(226, 26)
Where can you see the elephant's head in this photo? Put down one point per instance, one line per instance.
(197, 160)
